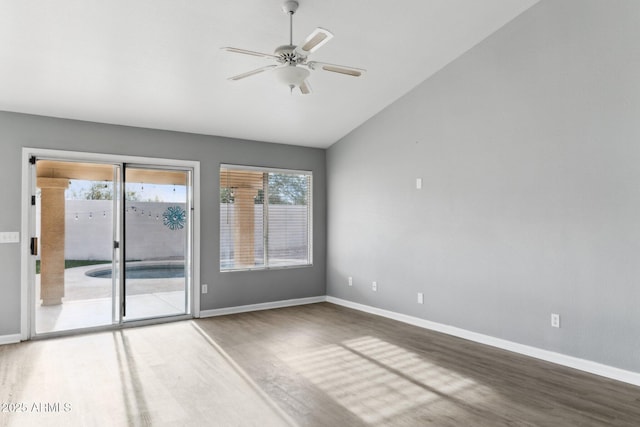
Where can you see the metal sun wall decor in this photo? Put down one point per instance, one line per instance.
(174, 217)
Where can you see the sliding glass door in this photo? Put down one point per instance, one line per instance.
(156, 222)
(91, 219)
(76, 265)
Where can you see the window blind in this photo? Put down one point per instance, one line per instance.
(265, 218)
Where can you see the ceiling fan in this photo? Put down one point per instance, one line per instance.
(292, 66)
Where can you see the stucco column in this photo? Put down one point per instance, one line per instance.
(244, 228)
(52, 234)
(245, 185)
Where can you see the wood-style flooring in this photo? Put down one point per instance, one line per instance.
(326, 365)
(313, 365)
(162, 375)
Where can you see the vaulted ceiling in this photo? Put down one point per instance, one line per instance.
(158, 63)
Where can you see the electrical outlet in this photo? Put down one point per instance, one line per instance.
(420, 298)
(350, 281)
(555, 320)
(205, 289)
(374, 286)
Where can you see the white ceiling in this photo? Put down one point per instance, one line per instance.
(158, 63)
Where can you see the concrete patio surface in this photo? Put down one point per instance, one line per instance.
(88, 301)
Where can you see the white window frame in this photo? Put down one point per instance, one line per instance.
(265, 218)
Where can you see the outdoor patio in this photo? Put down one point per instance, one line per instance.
(88, 301)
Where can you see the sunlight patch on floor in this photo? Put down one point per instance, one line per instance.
(377, 380)
(162, 375)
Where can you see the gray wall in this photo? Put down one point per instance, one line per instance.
(225, 289)
(529, 148)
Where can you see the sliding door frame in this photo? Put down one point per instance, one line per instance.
(28, 227)
(189, 243)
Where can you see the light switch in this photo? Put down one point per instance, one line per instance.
(10, 237)
(418, 183)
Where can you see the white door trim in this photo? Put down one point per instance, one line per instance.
(28, 222)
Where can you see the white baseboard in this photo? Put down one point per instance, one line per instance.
(9, 339)
(262, 306)
(549, 356)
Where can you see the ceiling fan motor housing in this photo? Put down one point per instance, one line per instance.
(287, 55)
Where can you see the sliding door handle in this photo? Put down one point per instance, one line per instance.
(34, 246)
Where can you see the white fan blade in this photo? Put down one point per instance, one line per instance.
(305, 87)
(341, 69)
(249, 52)
(251, 73)
(314, 41)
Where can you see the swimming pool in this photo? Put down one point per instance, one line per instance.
(143, 271)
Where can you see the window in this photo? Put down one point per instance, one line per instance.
(265, 218)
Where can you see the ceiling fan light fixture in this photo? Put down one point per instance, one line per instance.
(291, 75)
